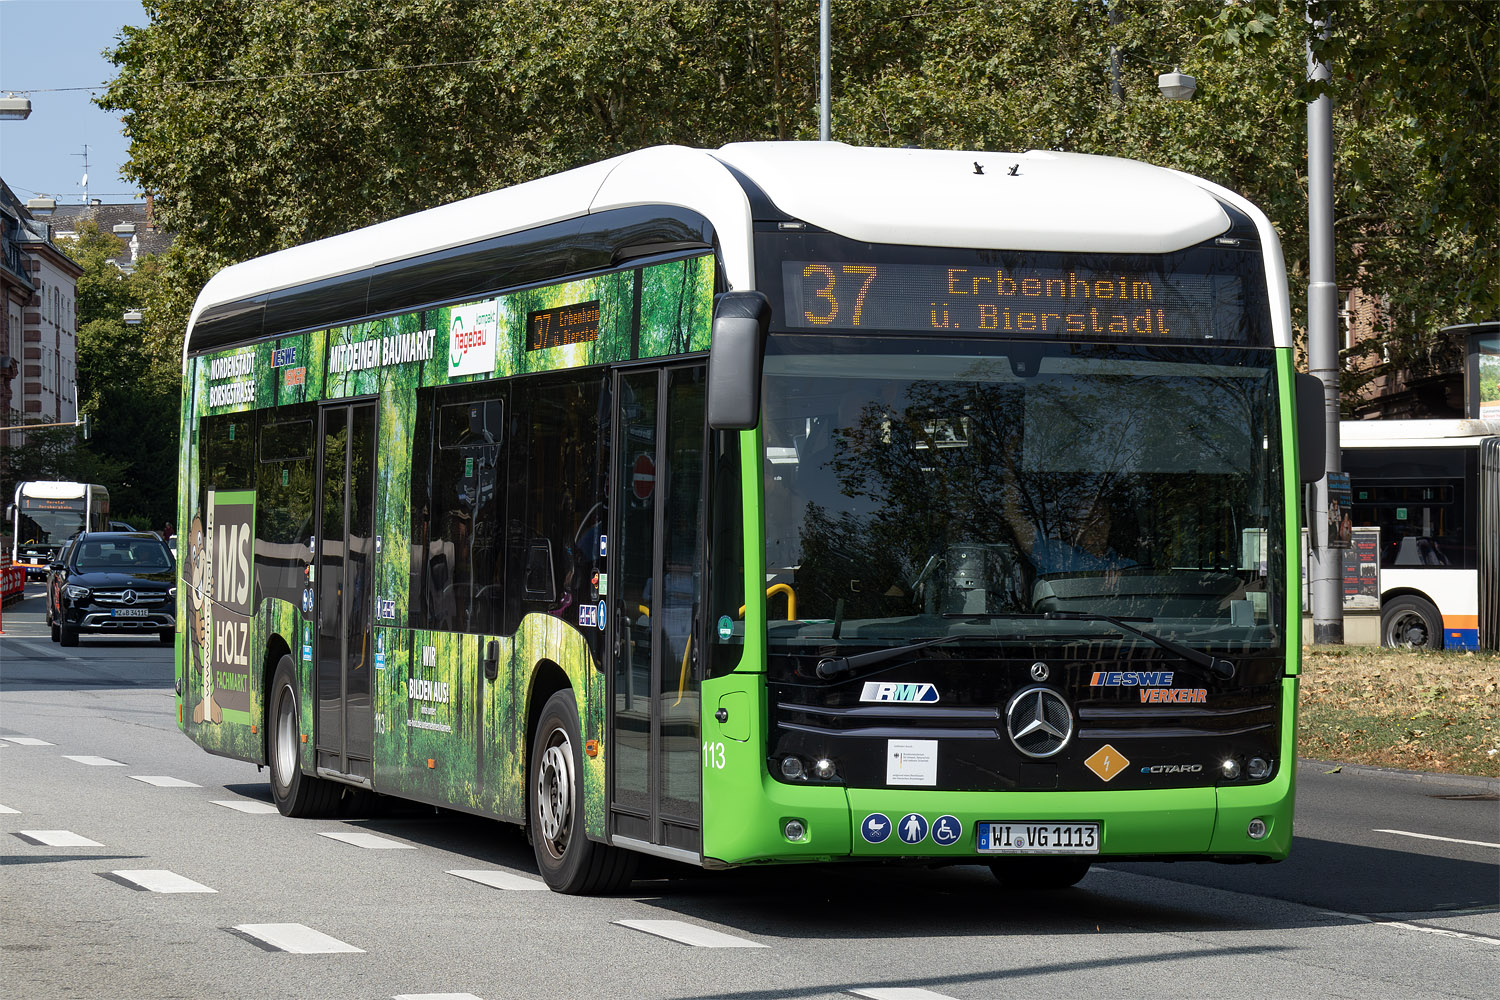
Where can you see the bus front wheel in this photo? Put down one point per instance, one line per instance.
(567, 859)
(1411, 622)
(296, 794)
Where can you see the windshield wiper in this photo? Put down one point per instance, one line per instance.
(1215, 665)
(833, 666)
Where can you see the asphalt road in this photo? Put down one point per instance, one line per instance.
(270, 907)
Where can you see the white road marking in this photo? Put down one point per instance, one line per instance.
(94, 761)
(1403, 925)
(369, 841)
(500, 880)
(692, 934)
(299, 939)
(57, 838)
(899, 993)
(27, 741)
(246, 805)
(159, 880)
(8, 811)
(1446, 840)
(163, 781)
(435, 996)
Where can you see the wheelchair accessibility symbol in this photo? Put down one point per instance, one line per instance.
(946, 830)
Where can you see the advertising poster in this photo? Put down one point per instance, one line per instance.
(1361, 563)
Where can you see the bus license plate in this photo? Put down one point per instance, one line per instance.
(1038, 838)
(132, 612)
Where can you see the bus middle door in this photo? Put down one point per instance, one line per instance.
(344, 573)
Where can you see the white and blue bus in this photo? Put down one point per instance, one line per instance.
(1431, 487)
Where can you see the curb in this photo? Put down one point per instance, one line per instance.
(1469, 781)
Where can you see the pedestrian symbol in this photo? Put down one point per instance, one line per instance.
(876, 828)
(946, 830)
(912, 829)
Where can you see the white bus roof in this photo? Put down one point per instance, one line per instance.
(1022, 201)
(53, 490)
(1413, 433)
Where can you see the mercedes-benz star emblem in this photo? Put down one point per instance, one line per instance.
(1039, 721)
(1039, 671)
(128, 597)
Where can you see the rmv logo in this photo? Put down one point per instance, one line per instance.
(920, 692)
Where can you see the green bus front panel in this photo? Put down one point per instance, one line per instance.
(745, 810)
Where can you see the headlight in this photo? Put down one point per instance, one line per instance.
(76, 593)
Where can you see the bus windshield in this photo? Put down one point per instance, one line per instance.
(919, 489)
(49, 527)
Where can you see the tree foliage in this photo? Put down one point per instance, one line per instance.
(260, 124)
(127, 382)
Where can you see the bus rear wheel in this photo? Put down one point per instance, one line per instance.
(1040, 873)
(568, 860)
(296, 794)
(1411, 622)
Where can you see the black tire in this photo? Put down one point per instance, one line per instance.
(56, 632)
(67, 634)
(1040, 873)
(295, 793)
(1410, 622)
(568, 860)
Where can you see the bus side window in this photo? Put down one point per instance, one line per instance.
(557, 539)
(458, 500)
(284, 504)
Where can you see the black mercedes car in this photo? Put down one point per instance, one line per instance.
(112, 583)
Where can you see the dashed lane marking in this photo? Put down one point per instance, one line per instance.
(93, 761)
(500, 880)
(246, 805)
(899, 993)
(8, 811)
(369, 841)
(164, 781)
(690, 934)
(156, 880)
(1446, 840)
(56, 838)
(435, 996)
(298, 939)
(27, 741)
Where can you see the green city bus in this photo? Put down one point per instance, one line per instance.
(785, 502)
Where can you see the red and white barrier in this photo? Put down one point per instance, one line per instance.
(12, 583)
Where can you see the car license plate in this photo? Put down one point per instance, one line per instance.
(1038, 838)
(132, 612)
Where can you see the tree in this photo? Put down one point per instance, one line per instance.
(126, 380)
(263, 124)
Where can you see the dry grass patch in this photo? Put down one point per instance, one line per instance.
(1401, 708)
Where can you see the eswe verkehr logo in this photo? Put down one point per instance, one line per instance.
(471, 339)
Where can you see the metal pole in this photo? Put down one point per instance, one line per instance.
(824, 88)
(1326, 569)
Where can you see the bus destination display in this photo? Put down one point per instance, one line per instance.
(1067, 302)
(575, 324)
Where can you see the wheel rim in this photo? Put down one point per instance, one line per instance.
(1408, 629)
(286, 738)
(554, 793)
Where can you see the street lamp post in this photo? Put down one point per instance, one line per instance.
(1325, 565)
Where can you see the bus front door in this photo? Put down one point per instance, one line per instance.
(655, 558)
(344, 554)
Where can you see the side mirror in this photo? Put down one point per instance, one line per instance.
(55, 566)
(1312, 447)
(735, 355)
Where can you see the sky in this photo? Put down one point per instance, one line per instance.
(46, 46)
